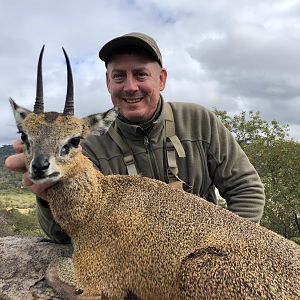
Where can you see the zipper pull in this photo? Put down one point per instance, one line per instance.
(146, 141)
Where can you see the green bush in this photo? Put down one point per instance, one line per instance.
(296, 239)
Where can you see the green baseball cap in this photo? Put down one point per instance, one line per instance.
(137, 39)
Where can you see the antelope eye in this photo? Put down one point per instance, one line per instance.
(25, 140)
(23, 137)
(75, 141)
(65, 150)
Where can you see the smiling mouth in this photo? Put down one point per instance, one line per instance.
(133, 100)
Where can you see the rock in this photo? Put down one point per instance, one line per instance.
(23, 264)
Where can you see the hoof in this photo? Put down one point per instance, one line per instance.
(60, 276)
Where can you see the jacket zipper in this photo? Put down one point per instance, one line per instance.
(151, 157)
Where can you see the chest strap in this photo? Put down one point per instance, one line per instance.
(173, 145)
(128, 157)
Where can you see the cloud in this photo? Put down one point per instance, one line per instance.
(233, 55)
(257, 65)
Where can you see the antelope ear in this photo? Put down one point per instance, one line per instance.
(98, 124)
(19, 112)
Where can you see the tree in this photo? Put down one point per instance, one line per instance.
(276, 158)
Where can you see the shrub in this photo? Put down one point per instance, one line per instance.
(296, 239)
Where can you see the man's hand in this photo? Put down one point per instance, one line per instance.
(16, 163)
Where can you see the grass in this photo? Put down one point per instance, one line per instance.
(16, 199)
(18, 214)
(296, 239)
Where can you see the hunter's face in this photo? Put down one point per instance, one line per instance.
(134, 83)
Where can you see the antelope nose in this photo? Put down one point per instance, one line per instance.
(40, 164)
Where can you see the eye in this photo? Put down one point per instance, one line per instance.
(25, 140)
(75, 141)
(23, 136)
(65, 150)
(118, 77)
(141, 75)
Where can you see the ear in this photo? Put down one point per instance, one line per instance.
(98, 124)
(163, 79)
(20, 113)
(107, 81)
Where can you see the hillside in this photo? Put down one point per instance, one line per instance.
(8, 180)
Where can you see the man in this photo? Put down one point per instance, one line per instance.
(182, 144)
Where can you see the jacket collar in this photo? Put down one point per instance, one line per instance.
(137, 132)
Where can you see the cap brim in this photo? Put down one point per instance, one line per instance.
(108, 49)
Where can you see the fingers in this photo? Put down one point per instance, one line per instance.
(18, 146)
(16, 163)
(26, 182)
(38, 189)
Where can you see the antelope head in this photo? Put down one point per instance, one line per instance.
(51, 140)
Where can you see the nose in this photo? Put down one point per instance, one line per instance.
(40, 165)
(130, 84)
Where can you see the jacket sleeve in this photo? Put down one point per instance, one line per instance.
(48, 225)
(234, 175)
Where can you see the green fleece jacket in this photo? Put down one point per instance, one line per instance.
(213, 159)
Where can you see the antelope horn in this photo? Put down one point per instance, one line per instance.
(39, 100)
(69, 105)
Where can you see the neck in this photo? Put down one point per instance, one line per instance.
(70, 199)
(145, 124)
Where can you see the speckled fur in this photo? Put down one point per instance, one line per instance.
(50, 129)
(137, 234)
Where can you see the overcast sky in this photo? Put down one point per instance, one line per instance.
(233, 55)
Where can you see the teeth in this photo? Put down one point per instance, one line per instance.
(132, 100)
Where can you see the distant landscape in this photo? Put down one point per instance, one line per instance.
(8, 180)
(17, 205)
